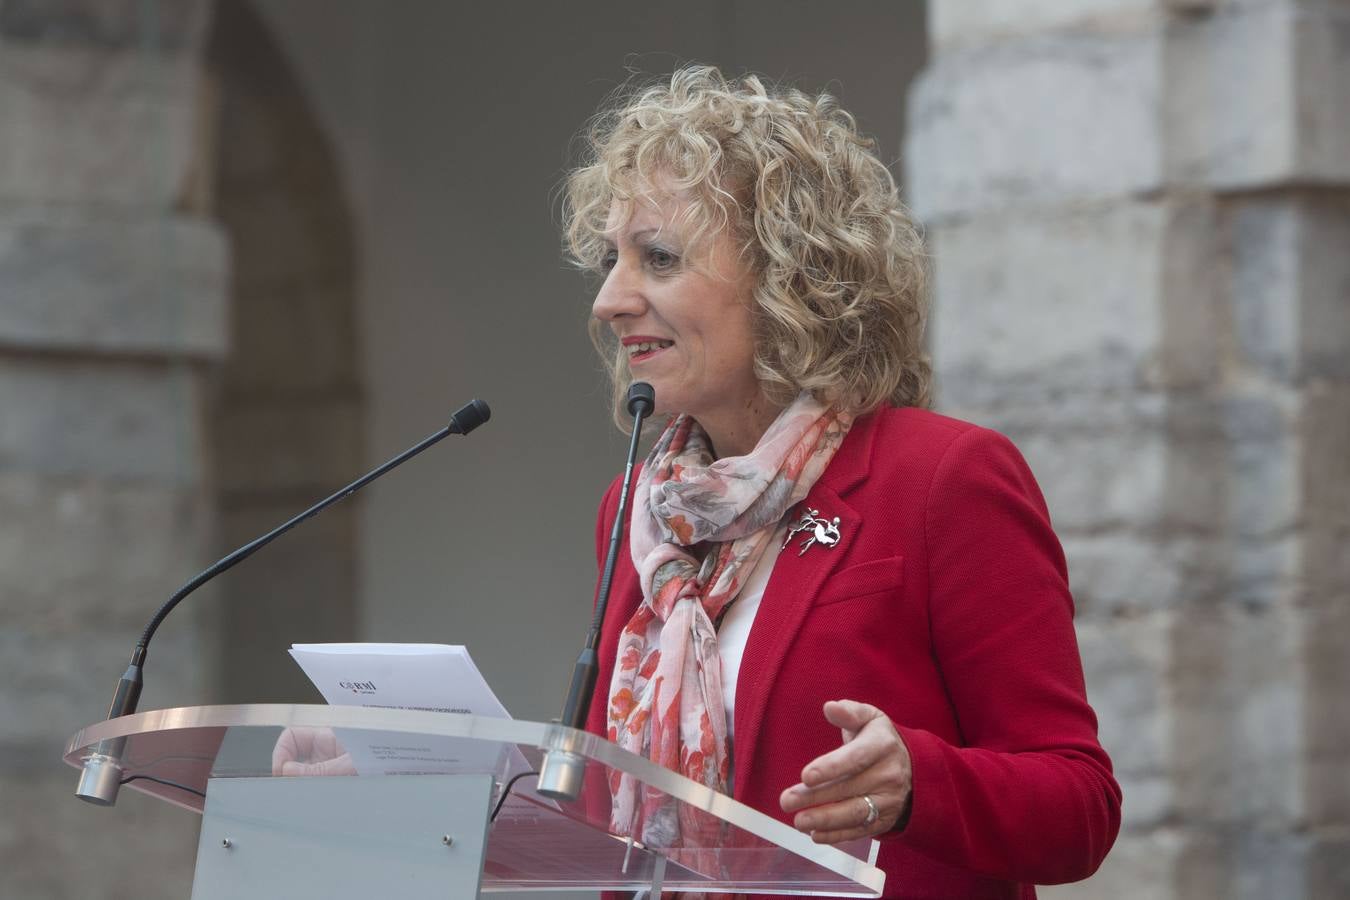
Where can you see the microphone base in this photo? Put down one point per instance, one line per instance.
(100, 780)
(561, 774)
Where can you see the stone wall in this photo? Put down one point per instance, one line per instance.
(112, 313)
(287, 420)
(1140, 216)
(137, 443)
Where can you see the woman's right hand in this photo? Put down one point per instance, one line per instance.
(310, 751)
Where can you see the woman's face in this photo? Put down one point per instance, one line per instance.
(681, 313)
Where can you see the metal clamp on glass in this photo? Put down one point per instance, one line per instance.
(560, 775)
(101, 776)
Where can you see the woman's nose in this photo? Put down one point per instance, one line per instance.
(620, 295)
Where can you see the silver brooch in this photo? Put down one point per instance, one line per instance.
(817, 529)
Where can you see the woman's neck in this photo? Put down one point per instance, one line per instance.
(736, 431)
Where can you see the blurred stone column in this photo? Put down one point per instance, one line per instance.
(1140, 216)
(112, 311)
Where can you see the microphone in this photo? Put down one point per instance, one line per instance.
(101, 776)
(562, 771)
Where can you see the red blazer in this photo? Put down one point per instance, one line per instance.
(946, 605)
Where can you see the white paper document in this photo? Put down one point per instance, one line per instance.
(429, 677)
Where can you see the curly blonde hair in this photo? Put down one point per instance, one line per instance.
(839, 298)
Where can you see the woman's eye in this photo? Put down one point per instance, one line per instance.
(661, 259)
(609, 260)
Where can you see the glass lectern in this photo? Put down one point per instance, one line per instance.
(452, 829)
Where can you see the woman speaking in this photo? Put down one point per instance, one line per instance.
(846, 611)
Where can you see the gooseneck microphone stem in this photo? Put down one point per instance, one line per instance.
(560, 776)
(577, 705)
(128, 692)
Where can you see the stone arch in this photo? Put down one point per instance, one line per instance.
(286, 424)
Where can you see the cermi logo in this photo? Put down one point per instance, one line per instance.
(358, 687)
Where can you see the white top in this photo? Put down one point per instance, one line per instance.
(735, 627)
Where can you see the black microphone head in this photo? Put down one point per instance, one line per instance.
(640, 395)
(470, 416)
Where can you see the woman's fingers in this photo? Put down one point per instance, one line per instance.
(284, 751)
(341, 765)
(801, 796)
(848, 819)
(873, 764)
(833, 776)
(831, 806)
(310, 751)
(850, 716)
(864, 749)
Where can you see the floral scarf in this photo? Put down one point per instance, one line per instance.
(699, 528)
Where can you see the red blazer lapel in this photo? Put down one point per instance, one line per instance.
(792, 588)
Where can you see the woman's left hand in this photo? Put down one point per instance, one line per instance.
(872, 764)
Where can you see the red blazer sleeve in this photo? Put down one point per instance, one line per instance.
(1029, 794)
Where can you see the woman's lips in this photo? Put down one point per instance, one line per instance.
(644, 348)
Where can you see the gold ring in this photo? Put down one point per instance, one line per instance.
(872, 812)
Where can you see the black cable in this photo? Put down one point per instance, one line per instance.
(164, 781)
(167, 757)
(501, 801)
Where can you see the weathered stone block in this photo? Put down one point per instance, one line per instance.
(80, 857)
(1102, 480)
(299, 444)
(1263, 236)
(288, 240)
(1141, 864)
(1127, 664)
(176, 26)
(94, 128)
(1321, 115)
(145, 286)
(1324, 285)
(290, 339)
(1263, 861)
(1269, 712)
(1327, 712)
(1238, 683)
(1148, 463)
(1328, 865)
(1324, 429)
(55, 684)
(1252, 96)
(1122, 573)
(274, 138)
(957, 21)
(1045, 120)
(1290, 288)
(1324, 432)
(997, 285)
(1262, 497)
(1193, 323)
(1105, 298)
(81, 553)
(125, 421)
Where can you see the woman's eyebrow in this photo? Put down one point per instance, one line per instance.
(640, 233)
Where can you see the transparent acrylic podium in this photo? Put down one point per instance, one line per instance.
(429, 834)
